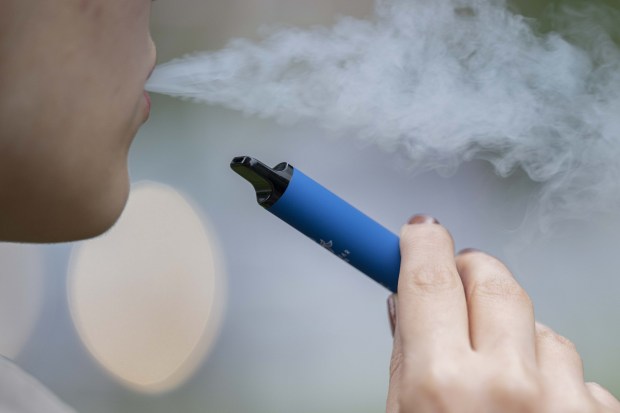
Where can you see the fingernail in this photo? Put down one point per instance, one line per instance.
(423, 219)
(467, 251)
(391, 303)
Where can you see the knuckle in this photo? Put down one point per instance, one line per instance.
(498, 285)
(489, 278)
(431, 277)
(438, 382)
(430, 269)
(516, 383)
(565, 342)
(426, 387)
(516, 388)
(501, 288)
(545, 333)
(561, 344)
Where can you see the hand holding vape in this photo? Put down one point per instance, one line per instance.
(324, 217)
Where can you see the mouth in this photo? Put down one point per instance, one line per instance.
(147, 99)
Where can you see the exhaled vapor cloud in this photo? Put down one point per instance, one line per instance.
(444, 82)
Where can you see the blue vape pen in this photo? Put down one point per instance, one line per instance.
(324, 217)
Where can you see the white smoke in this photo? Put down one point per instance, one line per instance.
(444, 82)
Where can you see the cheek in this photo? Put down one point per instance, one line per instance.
(116, 59)
(117, 34)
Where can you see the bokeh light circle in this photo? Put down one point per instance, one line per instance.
(147, 297)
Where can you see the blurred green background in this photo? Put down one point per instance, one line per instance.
(295, 329)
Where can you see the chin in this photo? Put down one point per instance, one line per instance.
(68, 219)
(100, 217)
(90, 229)
(77, 227)
(77, 230)
(99, 207)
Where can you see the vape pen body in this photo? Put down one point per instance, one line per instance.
(324, 217)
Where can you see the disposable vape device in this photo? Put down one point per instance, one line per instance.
(324, 217)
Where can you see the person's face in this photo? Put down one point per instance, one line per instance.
(72, 77)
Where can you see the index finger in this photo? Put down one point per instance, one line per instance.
(432, 310)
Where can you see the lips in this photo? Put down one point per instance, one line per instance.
(147, 98)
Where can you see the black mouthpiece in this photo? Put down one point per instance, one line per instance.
(269, 183)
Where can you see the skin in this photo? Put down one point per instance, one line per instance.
(465, 338)
(72, 77)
